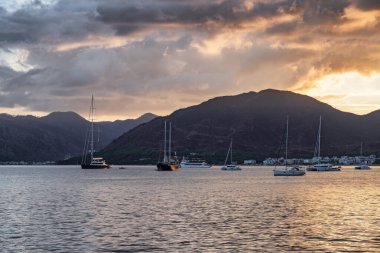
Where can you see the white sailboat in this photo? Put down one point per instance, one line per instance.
(93, 162)
(317, 153)
(362, 165)
(231, 166)
(294, 170)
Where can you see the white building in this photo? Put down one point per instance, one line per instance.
(249, 162)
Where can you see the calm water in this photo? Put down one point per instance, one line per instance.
(66, 209)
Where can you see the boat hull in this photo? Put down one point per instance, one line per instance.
(230, 168)
(326, 169)
(360, 167)
(288, 173)
(167, 167)
(95, 166)
(323, 168)
(200, 166)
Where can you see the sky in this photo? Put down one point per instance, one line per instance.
(138, 56)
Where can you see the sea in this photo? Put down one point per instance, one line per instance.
(139, 209)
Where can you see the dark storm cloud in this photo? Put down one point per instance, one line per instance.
(163, 48)
(282, 28)
(131, 15)
(71, 20)
(139, 68)
(368, 4)
(322, 11)
(12, 37)
(164, 12)
(147, 68)
(229, 12)
(125, 29)
(49, 24)
(10, 81)
(7, 73)
(24, 81)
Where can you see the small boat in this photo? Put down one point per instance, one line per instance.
(232, 165)
(92, 162)
(292, 171)
(323, 167)
(194, 163)
(317, 152)
(363, 165)
(122, 168)
(96, 163)
(169, 163)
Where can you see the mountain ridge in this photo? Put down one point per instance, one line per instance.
(255, 120)
(56, 136)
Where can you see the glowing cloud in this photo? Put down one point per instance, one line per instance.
(137, 53)
(350, 91)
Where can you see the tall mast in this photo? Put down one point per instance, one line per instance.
(319, 137)
(286, 141)
(165, 160)
(361, 149)
(170, 141)
(92, 126)
(228, 153)
(231, 150)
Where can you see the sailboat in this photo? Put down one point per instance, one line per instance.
(294, 170)
(231, 166)
(168, 163)
(362, 165)
(317, 152)
(94, 162)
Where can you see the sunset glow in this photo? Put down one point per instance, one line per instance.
(350, 92)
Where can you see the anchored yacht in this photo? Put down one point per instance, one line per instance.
(317, 152)
(194, 163)
(232, 165)
(292, 171)
(169, 163)
(362, 165)
(92, 162)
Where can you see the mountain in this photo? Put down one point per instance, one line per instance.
(56, 136)
(116, 128)
(256, 122)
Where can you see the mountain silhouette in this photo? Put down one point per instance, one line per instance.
(57, 136)
(256, 122)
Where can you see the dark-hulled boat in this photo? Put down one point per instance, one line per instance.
(165, 166)
(168, 163)
(96, 163)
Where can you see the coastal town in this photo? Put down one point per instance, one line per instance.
(343, 160)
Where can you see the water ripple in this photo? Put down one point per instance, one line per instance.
(66, 209)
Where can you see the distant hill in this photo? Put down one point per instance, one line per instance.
(56, 136)
(256, 122)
